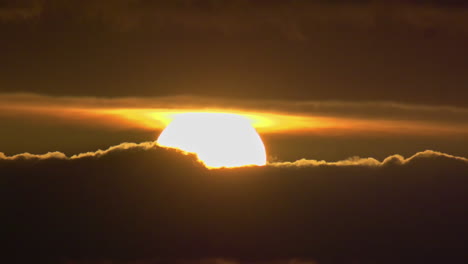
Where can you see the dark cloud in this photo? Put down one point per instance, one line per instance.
(139, 201)
(296, 19)
(20, 10)
(200, 261)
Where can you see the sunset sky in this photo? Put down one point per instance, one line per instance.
(362, 107)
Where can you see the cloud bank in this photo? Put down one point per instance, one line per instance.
(145, 146)
(357, 161)
(140, 202)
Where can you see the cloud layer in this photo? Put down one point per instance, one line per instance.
(142, 202)
(145, 146)
(268, 115)
(295, 19)
(199, 261)
(357, 161)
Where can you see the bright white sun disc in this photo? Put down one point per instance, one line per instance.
(219, 139)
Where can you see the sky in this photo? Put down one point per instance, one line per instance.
(362, 107)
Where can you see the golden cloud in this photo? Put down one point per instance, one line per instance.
(267, 116)
(353, 161)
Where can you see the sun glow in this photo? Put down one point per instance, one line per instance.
(219, 139)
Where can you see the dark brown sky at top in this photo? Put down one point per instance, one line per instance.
(405, 51)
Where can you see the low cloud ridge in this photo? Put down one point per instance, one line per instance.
(140, 201)
(144, 146)
(357, 161)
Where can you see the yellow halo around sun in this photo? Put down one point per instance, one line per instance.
(219, 139)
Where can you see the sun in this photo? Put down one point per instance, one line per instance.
(219, 139)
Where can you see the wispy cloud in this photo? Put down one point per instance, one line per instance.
(330, 117)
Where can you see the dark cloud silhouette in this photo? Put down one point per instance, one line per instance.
(200, 261)
(143, 202)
